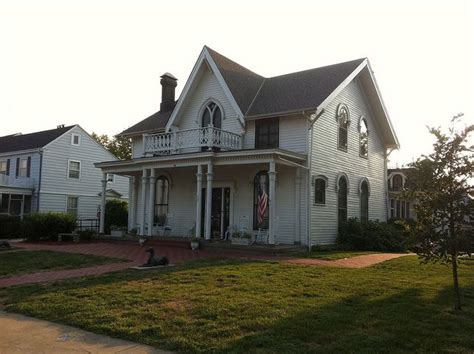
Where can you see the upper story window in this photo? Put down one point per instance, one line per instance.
(267, 133)
(397, 181)
(211, 116)
(74, 170)
(23, 167)
(110, 177)
(5, 167)
(343, 125)
(76, 139)
(363, 138)
(320, 185)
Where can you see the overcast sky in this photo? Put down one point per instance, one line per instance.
(97, 63)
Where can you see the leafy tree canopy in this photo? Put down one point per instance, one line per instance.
(119, 146)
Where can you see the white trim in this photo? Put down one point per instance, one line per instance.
(69, 166)
(66, 206)
(204, 57)
(73, 135)
(204, 106)
(338, 177)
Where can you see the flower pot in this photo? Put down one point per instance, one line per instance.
(194, 245)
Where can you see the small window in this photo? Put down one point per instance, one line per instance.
(3, 168)
(72, 205)
(74, 169)
(397, 182)
(76, 139)
(364, 201)
(320, 191)
(343, 125)
(267, 133)
(23, 169)
(363, 138)
(110, 177)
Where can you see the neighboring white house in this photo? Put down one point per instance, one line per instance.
(291, 155)
(53, 170)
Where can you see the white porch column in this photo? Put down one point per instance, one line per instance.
(297, 205)
(198, 201)
(143, 200)
(271, 197)
(151, 201)
(102, 203)
(131, 204)
(208, 202)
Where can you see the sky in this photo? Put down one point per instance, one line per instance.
(98, 63)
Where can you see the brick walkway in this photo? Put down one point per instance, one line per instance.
(354, 262)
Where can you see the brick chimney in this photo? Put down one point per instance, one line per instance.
(168, 85)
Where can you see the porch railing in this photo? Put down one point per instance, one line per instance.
(173, 142)
(20, 182)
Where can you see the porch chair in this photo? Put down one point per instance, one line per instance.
(165, 229)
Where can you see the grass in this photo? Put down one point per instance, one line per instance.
(332, 255)
(19, 262)
(262, 307)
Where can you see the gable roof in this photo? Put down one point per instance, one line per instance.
(156, 121)
(30, 141)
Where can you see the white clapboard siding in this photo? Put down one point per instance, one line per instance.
(328, 160)
(137, 146)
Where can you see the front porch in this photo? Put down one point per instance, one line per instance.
(207, 194)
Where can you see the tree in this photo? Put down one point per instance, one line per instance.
(441, 185)
(119, 146)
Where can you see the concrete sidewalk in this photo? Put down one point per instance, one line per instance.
(21, 334)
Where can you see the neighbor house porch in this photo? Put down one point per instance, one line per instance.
(204, 194)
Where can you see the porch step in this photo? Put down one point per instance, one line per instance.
(257, 248)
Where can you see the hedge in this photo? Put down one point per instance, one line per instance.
(10, 227)
(116, 214)
(36, 227)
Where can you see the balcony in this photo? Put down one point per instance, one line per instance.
(17, 182)
(191, 139)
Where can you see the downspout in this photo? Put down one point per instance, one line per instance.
(312, 118)
(387, 197)
(39, 180)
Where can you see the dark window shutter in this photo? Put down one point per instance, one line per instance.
(28, 167)
(17, 167)
(8, 167)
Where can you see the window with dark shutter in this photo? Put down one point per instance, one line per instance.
(17, 167)
(320, 191)
(267, 133)
(28, 167)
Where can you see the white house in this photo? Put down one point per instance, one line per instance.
(53, 170)
(290, 155)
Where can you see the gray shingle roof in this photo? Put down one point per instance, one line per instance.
(36, 140)
(256, 95)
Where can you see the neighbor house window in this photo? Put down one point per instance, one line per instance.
(364, 201)
(392, 208)
(72, 205)
(75, 139)
(161, 200)
(343, 125)
(342, 199)
(260, 201)
(23, 168)
(74, 169)
(267, 133)
(320, 184)
(397, 182)
(363, 138)
(4, 167)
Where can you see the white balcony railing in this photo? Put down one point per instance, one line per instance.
(19, 182)
(173, 142)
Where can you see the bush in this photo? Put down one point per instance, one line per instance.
(374, 235)
(116, 213)
(36, 227)
(9, 227)
(86, 234)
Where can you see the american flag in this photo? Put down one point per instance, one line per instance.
(262, 205)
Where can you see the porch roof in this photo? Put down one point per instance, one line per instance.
(250, 156)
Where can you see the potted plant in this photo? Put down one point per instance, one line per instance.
(194, 243)
(244, 238)
(117, 231)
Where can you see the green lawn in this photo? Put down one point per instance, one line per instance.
(19, 262)
(251, 306)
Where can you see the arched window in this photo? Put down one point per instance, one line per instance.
(364, 201)
(320, 185)
(343, 124)
(397, 182)
(363, 138)
(260, 201)
(211, 116)
(161, 200)
(342, 199)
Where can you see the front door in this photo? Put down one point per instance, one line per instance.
(220, 211)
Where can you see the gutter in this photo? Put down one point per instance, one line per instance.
(39, 180)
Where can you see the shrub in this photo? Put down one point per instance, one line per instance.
(116, 213)
(374, 235)
(9, 226)
(86, 234)
(47, 226)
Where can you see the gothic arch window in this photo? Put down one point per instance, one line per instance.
(397, 181)
(211, 115)
(320, 186)
(363, 137)
(364, 200)
(342, 191)
(260, 201)
(343, 121)
(161, 200)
